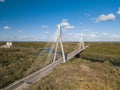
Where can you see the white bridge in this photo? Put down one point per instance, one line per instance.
(32, 78)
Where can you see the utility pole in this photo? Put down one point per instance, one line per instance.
(59, 40)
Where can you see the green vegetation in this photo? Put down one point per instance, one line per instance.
(27, 57)
(80, 74)
(24, 58)
(15, 61)
(105, 51)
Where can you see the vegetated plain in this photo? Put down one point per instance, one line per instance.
(103, 51)
(22, 59)
(15, 61)
(82, 74)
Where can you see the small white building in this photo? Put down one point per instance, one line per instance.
(7, 45)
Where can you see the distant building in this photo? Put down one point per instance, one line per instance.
(7, 45)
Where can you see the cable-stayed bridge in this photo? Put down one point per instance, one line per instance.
(32, 78)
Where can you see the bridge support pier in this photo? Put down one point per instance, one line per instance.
(59, 39)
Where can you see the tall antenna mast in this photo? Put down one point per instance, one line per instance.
(59, 40)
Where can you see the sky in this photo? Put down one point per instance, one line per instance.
(37, 20)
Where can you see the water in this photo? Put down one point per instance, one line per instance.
(48, 50)
(117, 65)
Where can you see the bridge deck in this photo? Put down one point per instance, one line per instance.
(32, 78)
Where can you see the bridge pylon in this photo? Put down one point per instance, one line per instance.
(81, 43)
(59, 40)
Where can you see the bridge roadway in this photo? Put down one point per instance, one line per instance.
(32, 78)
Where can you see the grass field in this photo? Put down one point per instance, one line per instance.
(103, 51)
(22, 59)
(81, 74)
(16, 61)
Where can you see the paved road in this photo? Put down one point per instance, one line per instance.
(32, 78)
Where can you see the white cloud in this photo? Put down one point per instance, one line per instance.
(118, 12)
(66, 24)
(22, 37)
(44, 26)
(104, 34)
(6, 27)
(81, 34)
(94, 35)
(2, 0)
(115, 36)
(69, 27)
(65, 20)
(108, 17)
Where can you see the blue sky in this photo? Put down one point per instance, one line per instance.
(36, 20)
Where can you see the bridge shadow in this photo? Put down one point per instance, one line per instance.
(78, 55)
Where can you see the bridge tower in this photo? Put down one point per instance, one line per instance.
(81, 42)
(59, 40)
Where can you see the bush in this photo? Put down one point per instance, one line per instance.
(103, 51)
